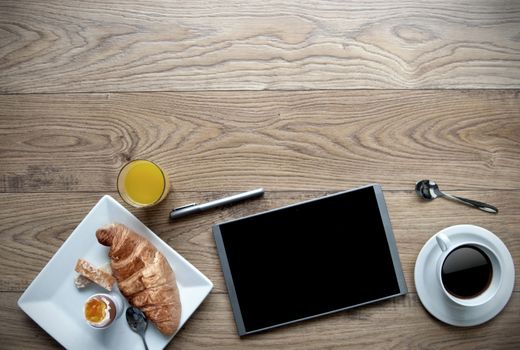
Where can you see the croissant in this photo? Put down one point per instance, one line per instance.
(144, 276)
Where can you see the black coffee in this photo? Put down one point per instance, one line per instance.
(466, 272)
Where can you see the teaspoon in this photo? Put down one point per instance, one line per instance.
(429, 190)
(137, 322)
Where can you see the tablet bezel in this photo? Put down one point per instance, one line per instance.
(235, 306)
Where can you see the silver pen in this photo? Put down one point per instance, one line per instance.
(197, 208)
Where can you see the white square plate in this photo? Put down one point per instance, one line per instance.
(53, 301)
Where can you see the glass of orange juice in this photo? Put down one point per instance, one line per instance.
(142, 183)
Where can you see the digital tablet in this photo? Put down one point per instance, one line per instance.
(309, 259)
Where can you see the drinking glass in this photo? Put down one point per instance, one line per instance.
(142, 183)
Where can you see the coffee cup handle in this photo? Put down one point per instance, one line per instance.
(442, 241)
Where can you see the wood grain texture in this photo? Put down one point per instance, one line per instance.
(29, 243)
(100, 46)
(374, 326)
(353, 93)
(316, 140)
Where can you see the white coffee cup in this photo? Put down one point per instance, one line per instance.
(447, 246)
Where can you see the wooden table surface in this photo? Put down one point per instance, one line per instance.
(303, 98)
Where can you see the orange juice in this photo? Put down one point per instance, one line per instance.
(142, 183)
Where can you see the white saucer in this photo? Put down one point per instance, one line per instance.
(429, 288)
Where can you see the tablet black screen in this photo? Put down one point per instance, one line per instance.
(309, 259)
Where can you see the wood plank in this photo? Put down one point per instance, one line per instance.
(374, 326)
(34, 226)
(317, 140)
(99, 46)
